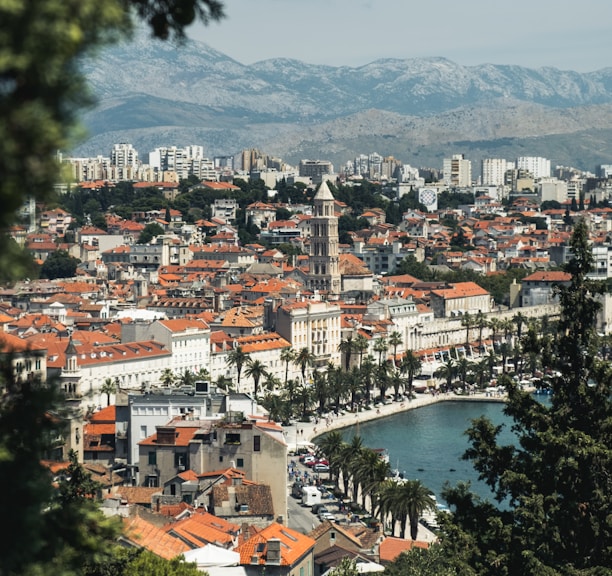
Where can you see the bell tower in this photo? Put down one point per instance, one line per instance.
(324, 268)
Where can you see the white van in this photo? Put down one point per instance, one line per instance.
(310, 495)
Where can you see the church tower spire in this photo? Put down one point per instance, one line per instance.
(324, 269)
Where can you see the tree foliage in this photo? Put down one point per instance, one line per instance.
(59, 264)
(55, 530)
(554, 487)
(43, 88)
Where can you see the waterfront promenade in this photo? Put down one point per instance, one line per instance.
(303, 433)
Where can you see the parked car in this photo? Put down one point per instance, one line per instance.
(296, 489)
(323, 516)
(320, 468)
(316, 508)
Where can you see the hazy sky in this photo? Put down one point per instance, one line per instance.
(566, 34)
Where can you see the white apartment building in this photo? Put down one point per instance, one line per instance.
(457, 171)
(124, 155)
(494, 171)
(180, 160)
(187, 339)
(552, 189)
(538, 167)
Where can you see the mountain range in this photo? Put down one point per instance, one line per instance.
(152, 93)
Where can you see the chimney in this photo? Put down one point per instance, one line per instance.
(274, 552)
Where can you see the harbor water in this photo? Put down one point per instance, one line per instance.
(427, 443)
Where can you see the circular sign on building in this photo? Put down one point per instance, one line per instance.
(429, 198)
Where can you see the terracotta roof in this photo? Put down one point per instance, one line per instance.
(152, 538)
(183, 436)
(390, 548)
(137, 494)
(203, 528)
(548, 276)
(294, 545)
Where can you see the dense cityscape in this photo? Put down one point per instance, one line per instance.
(190, 345)
(220, 325)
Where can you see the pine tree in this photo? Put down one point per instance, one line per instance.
(554, 487)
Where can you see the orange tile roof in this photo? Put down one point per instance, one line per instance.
(294, 545)
(390, 548)
(548, 276)
(183, 435)
(460, 290)
(108, 414)
(152, 538)
(203, 528)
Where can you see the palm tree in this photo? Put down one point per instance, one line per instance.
(354, 385)
(271, 382)
(187, 378)
(505, 351)
(373, 472)
(304, 359)
(237, 358)
(395, 340)
(495, 324)
(277, 406)
(447, 371)
(462, 366)
(167, 377)
(203, 374)
(348, 452)
(413, 499)
(346, 348)
(108, 387)
(287, 356)
(411, 366)
(224, 383)
(480, 369)
(468, 322)
(303, 398)
(337, 383)
(367, 373)
(331, 446)
(381, 348)
(320, 390)
(396, 382)
(520, 320)
(481, 323)
(387, 501)
(382, 376)
(257, 370)
(361, 346)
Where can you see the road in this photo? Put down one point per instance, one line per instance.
(300, 517)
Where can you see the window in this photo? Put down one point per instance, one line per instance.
(239, 462)
(152, 458)
(180, 459)
(232, 438)
(257, 443)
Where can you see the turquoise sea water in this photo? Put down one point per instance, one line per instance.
(427, 443)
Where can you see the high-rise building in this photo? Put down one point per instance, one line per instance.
(536, 166)
(494, 171)
(315, 169)
(124, 155)
(457, 171)
(324, 267)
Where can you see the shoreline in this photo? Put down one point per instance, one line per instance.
(303, 434)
